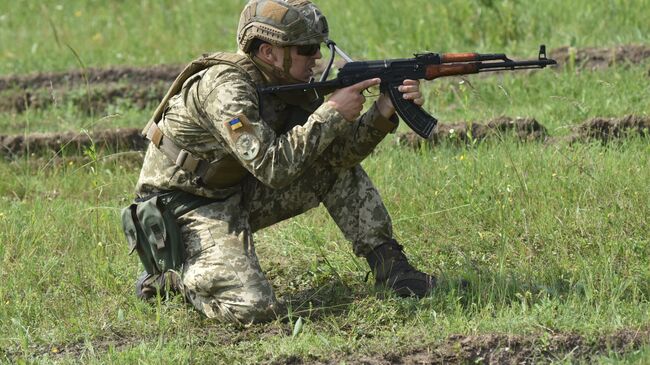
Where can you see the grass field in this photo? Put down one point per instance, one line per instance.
(553, 239)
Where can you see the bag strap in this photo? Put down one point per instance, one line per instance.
(179, 202)
(181, 157)
(206, 61)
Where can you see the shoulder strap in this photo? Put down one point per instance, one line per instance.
(208, 60)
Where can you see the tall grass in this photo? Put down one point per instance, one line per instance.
(552, 238)
(45, 36)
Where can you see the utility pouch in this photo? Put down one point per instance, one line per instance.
(151, 229)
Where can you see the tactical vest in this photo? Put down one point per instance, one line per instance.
(220, 174)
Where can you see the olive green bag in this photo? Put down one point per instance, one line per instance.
(152, 230)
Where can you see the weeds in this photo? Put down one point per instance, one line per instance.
(552, 239)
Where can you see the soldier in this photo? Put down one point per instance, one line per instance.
(244, 162)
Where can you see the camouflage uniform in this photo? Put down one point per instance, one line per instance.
(295, 157)
(268, 158)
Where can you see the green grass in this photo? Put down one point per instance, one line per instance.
(46, 36)
(553, 238)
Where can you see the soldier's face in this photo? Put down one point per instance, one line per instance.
(302, 65)
(302, 62)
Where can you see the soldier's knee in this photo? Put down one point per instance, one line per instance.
(253, 312)
(253, 303)
(241, 312)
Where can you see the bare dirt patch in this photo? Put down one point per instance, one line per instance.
(525, 129)
(609, 129)
(92, 91)
(605, 130)
(70, 142)
(584, 57)
(599, 58)
(518, 349)
(456, 349)
(92, 76)
(94, 88)
(93, 100)
(142, 76)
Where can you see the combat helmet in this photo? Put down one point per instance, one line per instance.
(281, 23)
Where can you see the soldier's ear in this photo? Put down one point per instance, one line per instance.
(272, 55)
(265, 53)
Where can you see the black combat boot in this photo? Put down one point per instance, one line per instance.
(392, 270)
(149, 285)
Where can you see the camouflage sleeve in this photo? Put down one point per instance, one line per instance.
(361, 139)
(231, 111)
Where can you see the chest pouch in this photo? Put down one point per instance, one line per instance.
(152, 230)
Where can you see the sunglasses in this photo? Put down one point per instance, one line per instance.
(308, 50)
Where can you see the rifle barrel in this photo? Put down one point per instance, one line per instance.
(516, 65)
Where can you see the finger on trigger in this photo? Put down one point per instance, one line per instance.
(367, 83)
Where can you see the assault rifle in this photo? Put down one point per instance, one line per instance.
(393, 72)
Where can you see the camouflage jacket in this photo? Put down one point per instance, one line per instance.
(219, 116)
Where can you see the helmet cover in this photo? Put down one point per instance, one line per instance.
(281, 23)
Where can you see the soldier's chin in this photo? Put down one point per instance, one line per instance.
(307, 76)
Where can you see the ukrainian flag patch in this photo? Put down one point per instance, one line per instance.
(235, 124)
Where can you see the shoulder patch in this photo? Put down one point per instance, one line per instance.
(248, 146)
(243, 137)
(235, 124)
(238, 126)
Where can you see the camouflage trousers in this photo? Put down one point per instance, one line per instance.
(222, 276)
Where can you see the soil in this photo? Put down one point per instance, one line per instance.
(608, 129)
(456, 349)
(94, 100)
(65, 143)
(525, 129)
(92, 76)
(599, 58)
(94, 89)
(517, 349)
(605, 130)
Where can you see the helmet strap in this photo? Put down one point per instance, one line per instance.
(287, 60)
(276, 76)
